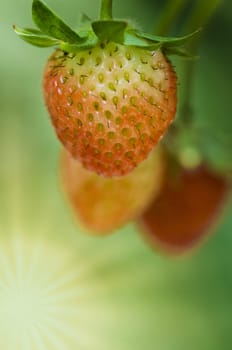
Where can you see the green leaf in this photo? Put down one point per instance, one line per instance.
(85, 19)
(110, 30)
(51, 25)
(167, 41)
(133, 40)
(91, 42)
(35, 37)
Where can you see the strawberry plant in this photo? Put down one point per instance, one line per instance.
(111, 93)
(109, 88)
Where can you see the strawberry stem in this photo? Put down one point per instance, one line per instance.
(106, 10)
(170, 13)
(202, 13)
(200, 16)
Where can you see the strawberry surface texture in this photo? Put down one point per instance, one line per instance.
(104, 204)
(110, 105)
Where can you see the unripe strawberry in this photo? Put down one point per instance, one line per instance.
(103, 204)
(110, 89)
(110, 105)
(185, 211)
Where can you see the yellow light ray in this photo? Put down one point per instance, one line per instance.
(60, 289)
(25, 304)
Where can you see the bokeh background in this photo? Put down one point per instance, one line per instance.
(61, 289)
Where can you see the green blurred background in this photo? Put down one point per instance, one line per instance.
(136, 299)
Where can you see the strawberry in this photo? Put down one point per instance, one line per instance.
(186, 210)
(110, 105)
(104, 204)
(110, 89)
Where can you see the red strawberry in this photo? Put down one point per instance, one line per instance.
(103, 204)
(185, 211)
(109, 89)
(110, 105)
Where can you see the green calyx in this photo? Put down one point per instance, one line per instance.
(54, 32)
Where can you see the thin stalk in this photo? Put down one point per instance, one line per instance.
(106, 10)
(170, 14)
(201, 15)
(186, 110)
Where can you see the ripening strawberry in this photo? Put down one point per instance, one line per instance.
(110, 90)
(102, 204)
(185, 211)
(110, 105)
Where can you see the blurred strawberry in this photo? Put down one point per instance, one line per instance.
(104, 204)
(186, 210)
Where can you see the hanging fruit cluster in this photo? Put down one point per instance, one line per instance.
(111, 93)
